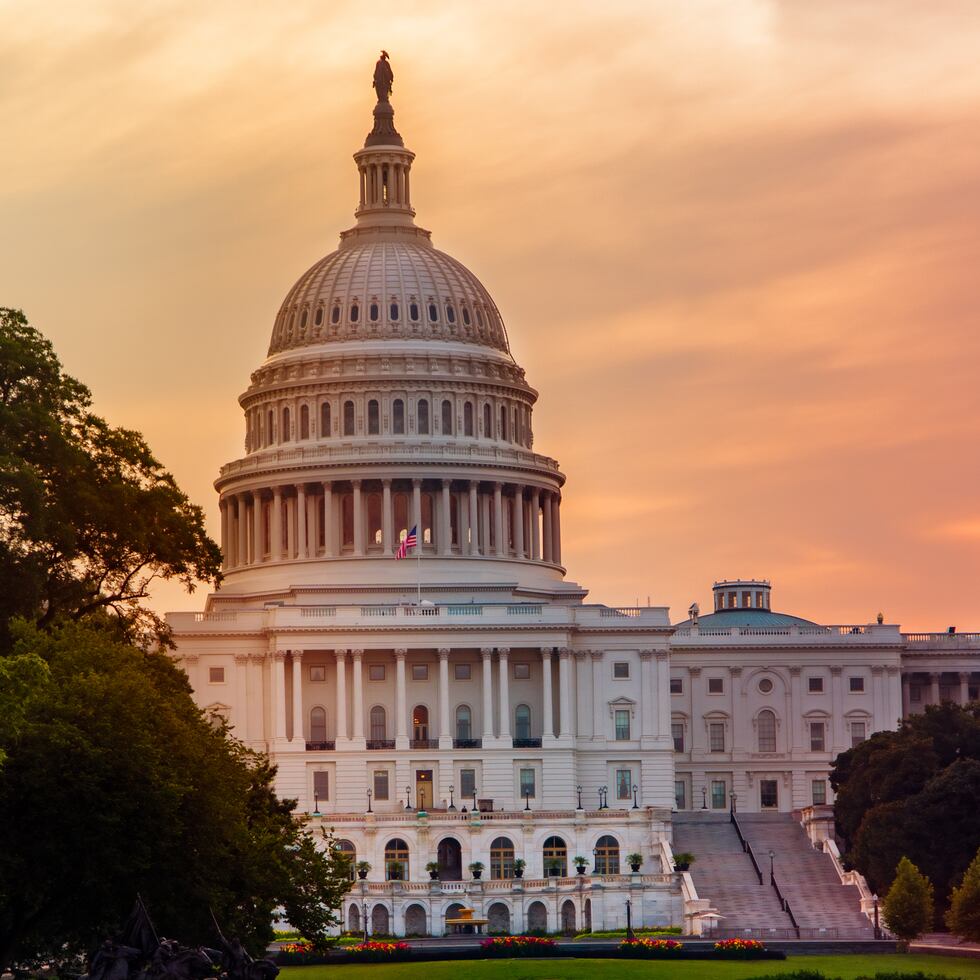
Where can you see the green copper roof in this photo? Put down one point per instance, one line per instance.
(759, 618)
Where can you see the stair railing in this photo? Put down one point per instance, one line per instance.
(746, 846)
(785, 904)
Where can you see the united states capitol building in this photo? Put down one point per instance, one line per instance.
(468, 704)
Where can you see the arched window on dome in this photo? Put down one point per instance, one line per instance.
(606, 856)
(433, 312)
(325, 420)
(450, 313)
(393, 311)
(374, 312)
(468, 418)
(335, 314)
(318, 725)
(766, 728)
(348, 418)
(286, 434)
(515, 425)
(302, 319)
(413, 312)
(398, 417)
(304, 421)
(479, 317)
(466, 315)
(270, 425)
(423, 413)
(355, 313)
(318, 316)
(487, 421)
(503, 422)
(447, 417)
(374, 417)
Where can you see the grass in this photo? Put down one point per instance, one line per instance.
(846, 967)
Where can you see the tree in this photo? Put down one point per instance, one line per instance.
(963, 917)
(116, 783)
(88, 516)
(908, 907)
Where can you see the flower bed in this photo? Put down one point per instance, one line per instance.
(518, 946)
(375, 952)
(740, 949)
(650, 948)
(304, 953)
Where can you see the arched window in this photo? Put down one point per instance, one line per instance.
(487, 421)
(335, 314)
(433, 313)
(468, 418)
(466, 315)
(374, 417)
(606, 856)
(464, 723)
(378, 728)
(304, 421)
(393, 311)
(398, 417)
(374, 311)
(766, 725)
(522, 721)
(555, 855)
(447, 417)
(479, 317)
(503, 422)
(325, 420)
(318, 725)
(348, 852)
(450, 313)
(502, 858)
(420, 723)
(285, 425)
(270, 425)
(413, 311)
(396, 860)
(355, 312)
(318, 318)
(423, 416)
(302, 320)
(348, 418)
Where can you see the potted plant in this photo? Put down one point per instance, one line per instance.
(433, 868)
(476, 869)
(554, 867)
(519, 865)
(362, 869)
(580, 863)
(634, 861)
(395, 869)
(683, 860)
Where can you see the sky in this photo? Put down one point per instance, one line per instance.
(734, 242)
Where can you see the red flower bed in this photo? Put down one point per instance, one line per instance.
(518, 946)
(740, 947)
(375, 952)
(649, 947)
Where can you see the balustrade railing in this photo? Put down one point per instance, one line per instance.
(423, 743)
(527, 743)
(746, 846)
(321, 746)
(467, 743)
(377, 744)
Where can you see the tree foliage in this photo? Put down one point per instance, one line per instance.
(908, 906)
(963, 917)
(88, 516)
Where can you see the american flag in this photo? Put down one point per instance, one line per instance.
(410, 542)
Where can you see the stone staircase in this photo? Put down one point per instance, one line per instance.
(724, 874)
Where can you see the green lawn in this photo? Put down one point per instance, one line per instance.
(846, 967)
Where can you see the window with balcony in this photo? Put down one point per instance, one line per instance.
(677, 734)
(318, 725)
(622, 719)
(522, 722)
(464, 723)
(379, 728)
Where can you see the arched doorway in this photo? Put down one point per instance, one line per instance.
(568, 917)
(354, 918)
(450, 856)
(498, 919)
(452, 912)
(537, 917)
(415, 921)
(379, 921)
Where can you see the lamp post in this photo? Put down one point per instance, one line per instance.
(874, 898)
(629, 921)
(595, 860)
(452, 805)
(704, 797)
(369, 794)
(316, 804)
(408, 797)
(772, 873)
(636, 806)
(603, 797)
(733, 796)
(474, 800)
(527, 798)
(578, 789)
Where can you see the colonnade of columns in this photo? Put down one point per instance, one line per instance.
(385, 184)
(334, 519)
(932, 689)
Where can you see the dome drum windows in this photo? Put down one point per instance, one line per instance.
(335, 314)
(413, 311)
(286, 433)
(304, 421)
(348, 418)
(447, 417)
(374, 311)
(393, 310)
(468, 418)
(303, 318)
(398, 417)
(422, 411)
(318, 316)
(325, 420)
(374, 417)
(450, 313)
(355, 312)
(433, 312)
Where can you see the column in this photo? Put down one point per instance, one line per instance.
(463, 515)
(797, 737)
(878, 699)
(518, 522)
(547, 720)
(487, 653)
(547, 528)
(401, 723)
(291, 550)
(445, 731)
(358, 519)
(934, 688)
(302, 538)
(446, 525)
(241, 696)
(964, 687)
(498, 521)
(279, 693)
(556, 530)
(474, 520)
(297, 696)
(275, 546)
(358, 696)
(485, 523)
(838, 739)
(329, 527)
(906, 697)
(598, 725)
(241, 555)
(226, 561)
(536, 524)
(648, 696)
(341, 656)
(386, 518)
(503, 653)
(564, 694)
(258, 526)
(740, 728)
(417, 509)
(663, 693)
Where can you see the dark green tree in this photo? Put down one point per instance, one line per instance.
(88, 517)
(908, 907)
(963, 917)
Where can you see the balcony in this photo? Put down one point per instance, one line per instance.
(423, 743)
(527, 743)
(380, 744)
(467, 743)
(320, 746)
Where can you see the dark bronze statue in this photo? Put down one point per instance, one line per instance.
(383, 77)
(113, 961)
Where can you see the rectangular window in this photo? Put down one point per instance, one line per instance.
(856, 685)
(321, 784)
(716, 736)
(467, 782)
(624, 784)
(815, 685)
(318, 672)
(462, 672)
(676, 685)
(718, 789)
(716, 685)
(216, 675)
(381, 784)
(746, 600)
(768, 794)
(376, 672)
(677, 734)
(527, 783)
(621, 671)
(817, 741)
(858, 733)
(622, 725)
(818, 791)
(420, 672)
(680, 794)
(522, 672)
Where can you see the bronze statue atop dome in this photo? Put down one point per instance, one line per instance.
(383, 77)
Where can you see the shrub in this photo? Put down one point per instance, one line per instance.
(518, 946)
(963, 917)
(908, 905)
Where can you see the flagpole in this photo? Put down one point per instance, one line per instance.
(418, 566)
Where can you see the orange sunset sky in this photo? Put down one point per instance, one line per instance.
(735, 244)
